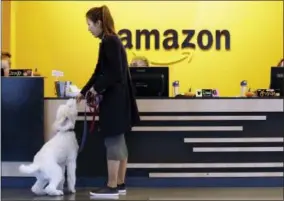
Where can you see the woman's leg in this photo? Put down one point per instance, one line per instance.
(113, 167)
(122, 171)
(117, 153)
(123, 163)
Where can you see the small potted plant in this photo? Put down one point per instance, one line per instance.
(189, 93)
(249, 93)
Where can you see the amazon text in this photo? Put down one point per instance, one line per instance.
(172, 40)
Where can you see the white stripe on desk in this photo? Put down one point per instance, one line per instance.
(210, 105)
(180, 128)
(189, 118)
(220, 140)
(202, 118)
(216, 174)
(196, 105)
(203, 165)
(188, 128)
(89, 118)
(237, 149)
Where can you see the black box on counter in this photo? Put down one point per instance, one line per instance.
(20, 72)
(265, 92)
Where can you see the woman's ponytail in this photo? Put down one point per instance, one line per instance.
(107, 21)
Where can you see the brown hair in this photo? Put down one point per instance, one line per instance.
(5, 55)
(136, 59)
(102, 14)
(280, 63)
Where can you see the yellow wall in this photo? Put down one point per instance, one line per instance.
(53, 35)
(6, 17)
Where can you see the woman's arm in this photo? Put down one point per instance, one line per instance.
(91, 81)
(111, 65)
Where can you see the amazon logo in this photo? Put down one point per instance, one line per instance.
(170, 39)
(185, 56)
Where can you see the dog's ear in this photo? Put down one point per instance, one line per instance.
(62, 118)
(71, 102)
(62, 114)
(64, 122)
(66, 112)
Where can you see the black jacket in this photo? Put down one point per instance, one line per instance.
(118, 110)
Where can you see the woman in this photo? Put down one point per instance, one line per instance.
(138, 61)
(5, 64)
(118, 109)
(281, 63)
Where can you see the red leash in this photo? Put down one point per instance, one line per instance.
(93, 102)
(95, 113)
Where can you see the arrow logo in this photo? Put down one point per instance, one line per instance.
(185, 56)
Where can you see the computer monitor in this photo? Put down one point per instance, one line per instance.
(150, 81)
(277, 79)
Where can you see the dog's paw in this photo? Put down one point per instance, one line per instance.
(53, 192)
(38, 191)
(72, 190)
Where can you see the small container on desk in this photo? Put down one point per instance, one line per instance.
(244, 85)
(175, 88)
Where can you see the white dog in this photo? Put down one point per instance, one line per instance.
(58, 153)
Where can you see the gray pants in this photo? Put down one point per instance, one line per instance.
(116, 148)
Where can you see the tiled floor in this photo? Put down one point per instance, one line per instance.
(162, 194)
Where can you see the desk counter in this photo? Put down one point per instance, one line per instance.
(192, 142)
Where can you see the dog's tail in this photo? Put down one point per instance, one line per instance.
(29, 169)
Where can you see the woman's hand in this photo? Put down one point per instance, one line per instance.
(92, 90)
(79, 97)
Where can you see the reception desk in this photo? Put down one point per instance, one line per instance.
(216, 142)
(22, 117)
